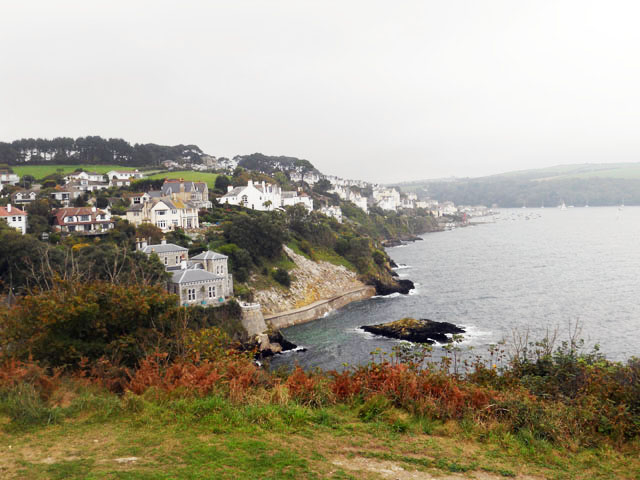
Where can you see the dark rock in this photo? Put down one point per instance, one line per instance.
(393, 263)
(412, 330)
(399, 286)
(276, 337)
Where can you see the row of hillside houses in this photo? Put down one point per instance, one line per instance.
(79, 183)
(264, 196)
(203, 279)
(349, 194)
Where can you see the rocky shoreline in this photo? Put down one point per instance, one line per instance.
(415, 330)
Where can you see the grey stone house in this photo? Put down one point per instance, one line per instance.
(202, 280)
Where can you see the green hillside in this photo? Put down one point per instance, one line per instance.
(592, 184)
(189, 175)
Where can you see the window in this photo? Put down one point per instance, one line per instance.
(161, 224)
(166, 260)
(161, 212)
(212, 291)
(245, 199)
(174, 211)
(175, 223)
(84, 218)
(191, 294)
(14, 219)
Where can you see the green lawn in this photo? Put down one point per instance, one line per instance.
(102, 436)
(189, 175)
(41, 171)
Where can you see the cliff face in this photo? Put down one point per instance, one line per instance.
(312, 281)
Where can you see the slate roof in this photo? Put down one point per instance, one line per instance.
(164, 248)
(173, 186)
(235, 192)
(208, 255)
(193, 275)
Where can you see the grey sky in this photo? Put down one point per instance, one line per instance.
(384, 91)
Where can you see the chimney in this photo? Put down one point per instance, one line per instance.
(250, 183)
(93, 209)
(163, 241)
(183, 265)
(229, 188)
(8, 208)
(181, 187)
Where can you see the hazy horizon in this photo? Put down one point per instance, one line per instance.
(381, 91)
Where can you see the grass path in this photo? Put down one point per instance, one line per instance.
(213, 438)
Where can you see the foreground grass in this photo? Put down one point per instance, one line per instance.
(94, 434)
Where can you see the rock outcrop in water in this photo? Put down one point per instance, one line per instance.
(403, 286)
(412, 330)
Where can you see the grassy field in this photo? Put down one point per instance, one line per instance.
(189, 175)
(101, 436)
(41, 171)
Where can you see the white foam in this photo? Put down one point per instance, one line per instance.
(297, 349)
(402, 266)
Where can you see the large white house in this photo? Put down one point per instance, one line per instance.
(264, 196)
(256, 196)
(14, 217)
(165, 213)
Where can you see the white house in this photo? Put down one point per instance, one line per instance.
(7, 178)
(83, 220)
(290, 199)
(24, 197)
(386, 198)
(256, 196)
(15, 217)
(87, 176)
(333, 212)
(123, 178)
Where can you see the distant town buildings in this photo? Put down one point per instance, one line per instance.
(23, 197)
(14, 217)
(333, 212)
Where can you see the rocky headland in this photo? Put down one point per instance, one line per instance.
(415, 330)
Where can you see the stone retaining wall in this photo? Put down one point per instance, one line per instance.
(317, 309)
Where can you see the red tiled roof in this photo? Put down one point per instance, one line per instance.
(75, 211)
(14, 211)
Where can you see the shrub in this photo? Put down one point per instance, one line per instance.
(281, 276)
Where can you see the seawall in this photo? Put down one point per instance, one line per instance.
(318, 309)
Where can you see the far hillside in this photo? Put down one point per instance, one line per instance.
(579, 185)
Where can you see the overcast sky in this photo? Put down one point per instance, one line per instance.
(384, 91)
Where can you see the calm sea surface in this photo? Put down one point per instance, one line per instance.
(532, 268)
